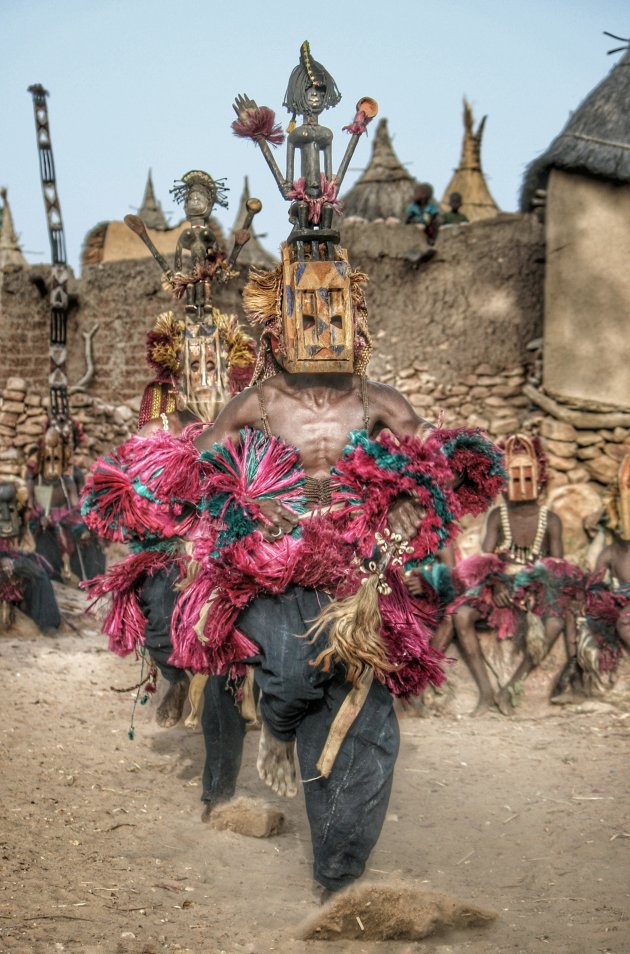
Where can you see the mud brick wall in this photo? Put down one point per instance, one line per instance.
(457, 329)
(24, 326)
(476, 298)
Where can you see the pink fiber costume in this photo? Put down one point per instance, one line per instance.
(252, 602)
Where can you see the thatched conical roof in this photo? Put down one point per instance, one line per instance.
(253, 253)
(385, 189)
(596, 139)
(151, 211)
(468, 179)
(10, 251)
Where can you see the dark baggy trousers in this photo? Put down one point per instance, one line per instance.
(47, 545)
(223, 732)
(346, 811)
(92, 557)
(39, 600)
(157, 602)
(222, 724)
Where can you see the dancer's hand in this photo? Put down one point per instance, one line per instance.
(414, 582)
(405, 517)
(501, 595)
(277, 520)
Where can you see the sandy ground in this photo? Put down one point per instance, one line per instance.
(103, 849)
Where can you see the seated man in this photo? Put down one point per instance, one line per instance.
(608, 590)
(24, 581)
(423, 211)
(523, 540)
(454, 216)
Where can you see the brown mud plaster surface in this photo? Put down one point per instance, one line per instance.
(103, 850)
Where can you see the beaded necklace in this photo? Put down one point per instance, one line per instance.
(522, 555)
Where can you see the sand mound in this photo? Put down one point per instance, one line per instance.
(391, 913)
(246, 816)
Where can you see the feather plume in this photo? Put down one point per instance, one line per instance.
(164, 344)
(256, 123)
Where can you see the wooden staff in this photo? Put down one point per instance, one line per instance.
(135, 223)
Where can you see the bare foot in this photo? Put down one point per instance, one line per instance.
(170, 709)
(484, 705)
(275, 764)
(506, 701)
(206, 813)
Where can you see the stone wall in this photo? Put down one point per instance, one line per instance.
(582, 462)
(24, 326)
(24, 414)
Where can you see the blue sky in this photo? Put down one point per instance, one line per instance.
(149, 83)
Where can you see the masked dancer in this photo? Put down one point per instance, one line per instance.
(520, 578)
(199, 363)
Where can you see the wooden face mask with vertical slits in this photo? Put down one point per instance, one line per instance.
(522, 467)
(317, 321)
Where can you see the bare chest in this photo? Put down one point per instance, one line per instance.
(319, 429)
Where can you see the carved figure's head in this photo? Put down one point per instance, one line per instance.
(199, 193)
(311, 88)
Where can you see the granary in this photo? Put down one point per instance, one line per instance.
(586, 175)
(385, 188)
(253, 253)
(10, 251)
(468, 179)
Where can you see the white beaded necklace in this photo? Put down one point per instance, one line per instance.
(523, 555)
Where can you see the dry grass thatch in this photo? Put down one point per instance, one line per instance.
(468, 179)
(151, 211)
(385, 189)
(10, 251)
(596, 139)
(93, 245)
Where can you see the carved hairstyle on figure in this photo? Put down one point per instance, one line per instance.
(215, 189)
(313, 315)
(306, 75)
(526, 465)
